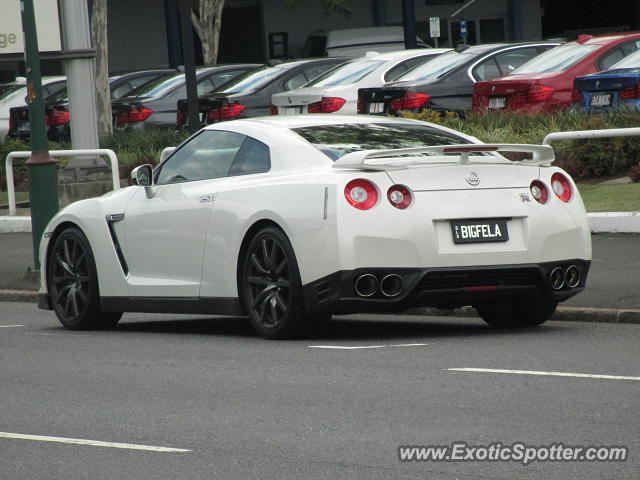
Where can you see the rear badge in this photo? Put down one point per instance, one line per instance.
(525, 197)
(472, 178)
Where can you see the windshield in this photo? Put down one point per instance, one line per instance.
(632, 61)
(436, 68)
(557, 59)
(346, 74)
(157, 87)
(253, 80)
(338, 140)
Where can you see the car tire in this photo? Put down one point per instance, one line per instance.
(271, 286)
(72, 282)
(516, 313)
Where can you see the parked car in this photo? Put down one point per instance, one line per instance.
(337, 89)
(290, 219)
(545, 83)
(250, 95)
(14, 96)
(356, 42)
(154, 104)
(446, 82)
(56, 107)
(614, 88)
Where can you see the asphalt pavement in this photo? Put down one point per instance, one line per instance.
(245, 408)
(614, 278)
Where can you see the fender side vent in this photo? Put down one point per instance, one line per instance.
(111, 219)
(322, 291)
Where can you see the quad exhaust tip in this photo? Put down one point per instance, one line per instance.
(391, 285)
(572, 277)
(366, 285)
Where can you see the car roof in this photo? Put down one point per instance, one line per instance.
(606, 39)
(317, 120)
(398, 54)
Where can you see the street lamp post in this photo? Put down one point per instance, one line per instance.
(41, 168)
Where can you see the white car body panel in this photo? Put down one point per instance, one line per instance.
(179, 247)
(299, 98)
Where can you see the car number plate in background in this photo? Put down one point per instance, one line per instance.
(479, 231)
(376, 107)
(293, 110)
(497, 103)
(601, 100)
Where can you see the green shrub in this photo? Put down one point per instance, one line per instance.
(581, 158)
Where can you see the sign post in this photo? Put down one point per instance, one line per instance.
(41, 168)
(463, 30)
(434, 29)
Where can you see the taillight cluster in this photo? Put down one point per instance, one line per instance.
(536, 93)
(226, 112)
(363, 194)
(559, 184)
(57, 117)
(409, 101)
(576, 96)
(134, 115)
(326, 105)
(630, 93)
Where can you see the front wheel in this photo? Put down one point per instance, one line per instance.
(271, 286)
(72, 282)
(516, 313)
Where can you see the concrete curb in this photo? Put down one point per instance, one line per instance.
(564, 314)
(600, 222)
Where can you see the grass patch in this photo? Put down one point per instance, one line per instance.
(20, 197)
(611, 198)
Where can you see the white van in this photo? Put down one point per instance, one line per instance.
(356, 42)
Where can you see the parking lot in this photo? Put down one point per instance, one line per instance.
(335, 406)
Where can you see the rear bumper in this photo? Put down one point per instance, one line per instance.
(442, 287)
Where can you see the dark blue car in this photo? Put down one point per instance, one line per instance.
(614, 88)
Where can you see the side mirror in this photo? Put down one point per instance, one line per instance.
(142, 175)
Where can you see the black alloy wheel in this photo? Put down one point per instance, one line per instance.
(72, 283)
(271, 286)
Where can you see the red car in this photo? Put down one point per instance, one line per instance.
(545, 83)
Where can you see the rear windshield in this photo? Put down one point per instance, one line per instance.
(557, 59)
(253, 80)
(157, 86)
(631, 61)
(338, 140)
(436, 68)
(346, 74)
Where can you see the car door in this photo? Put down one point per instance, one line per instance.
(165, 226)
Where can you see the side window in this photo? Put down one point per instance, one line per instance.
(395, 72)
(253, 157)
(296, 81)
(609, 58)
(630, 47)
(121, 91)
(510, 60)
(223, 77)
(487, 70)
(204, 86)
(207, 155)
(317, 70)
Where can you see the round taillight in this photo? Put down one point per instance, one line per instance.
(399, 196)
(361, 194)
(561, 187)
(539, 191)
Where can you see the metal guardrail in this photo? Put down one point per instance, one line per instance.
(582, 134)
(11, 194)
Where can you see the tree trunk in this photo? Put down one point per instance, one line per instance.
(207, 24)
(100, 43)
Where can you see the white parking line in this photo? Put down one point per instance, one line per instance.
(364, 347)
(10, 326)
(549, 374)
(92, 443)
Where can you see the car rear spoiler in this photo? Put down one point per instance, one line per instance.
(405, 157)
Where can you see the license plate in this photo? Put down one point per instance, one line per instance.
(293, 110)
(376, 107)
(479, 231)
(600, 100)
(497, 103)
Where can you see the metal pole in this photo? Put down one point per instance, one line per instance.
(41, 168)
(409, 22)
(189, 65)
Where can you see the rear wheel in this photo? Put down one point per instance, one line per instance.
(271, 286)
(72, 282)
(516, 313)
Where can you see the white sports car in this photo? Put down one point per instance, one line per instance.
(291, 219)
